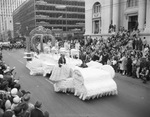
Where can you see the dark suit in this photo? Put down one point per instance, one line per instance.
(36, 113)
(61, 60)
(83, 57)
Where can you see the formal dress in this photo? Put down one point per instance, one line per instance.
(61, 71)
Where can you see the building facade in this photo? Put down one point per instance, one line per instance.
(6, 21)
(62, 15)
(130, 14)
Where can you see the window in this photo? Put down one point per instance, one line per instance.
(132, 3)
(97, 7)
(97, 18)
(96, 31)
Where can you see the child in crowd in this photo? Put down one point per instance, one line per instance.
(144, 74)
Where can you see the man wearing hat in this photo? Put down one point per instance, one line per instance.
(16, 101)
(18, 87)
(13, 93)
(26, 99)
(37, 112)
(8, 112)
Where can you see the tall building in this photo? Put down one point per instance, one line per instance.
(6, 21)
(130, 14)
(57, 15)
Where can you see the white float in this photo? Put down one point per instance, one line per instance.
(64, 86)
(92, 82)
(86, 83)
(35, 66)
(74, 52)
(89, 83)
(44, 63)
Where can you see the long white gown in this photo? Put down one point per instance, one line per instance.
(60, 73)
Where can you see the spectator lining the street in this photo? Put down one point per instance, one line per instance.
(14, 102)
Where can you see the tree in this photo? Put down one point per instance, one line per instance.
(9, 35)
(69, 36)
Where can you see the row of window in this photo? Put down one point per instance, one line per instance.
(59, 15)
(65, 2)
(10, 4)
(25, 28)
(28, 7)
(26, 12)
(25, 18)
(62, 28)
(68, 22)
(70, 9)
(132, 3)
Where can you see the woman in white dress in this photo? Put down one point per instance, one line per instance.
(61, 71)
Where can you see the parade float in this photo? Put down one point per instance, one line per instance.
(87, 83)
(94, 82)
(36, 42)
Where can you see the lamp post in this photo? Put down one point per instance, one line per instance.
(3, 18)
(28, 53)
(27, 39)
(19, 25)
(63, 7)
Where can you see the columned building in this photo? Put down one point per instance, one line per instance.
(130, 14)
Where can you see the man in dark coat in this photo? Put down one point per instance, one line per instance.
(129, 66)
(133, 43)
(95, 57)
(83, 56)
(104, 58)
(2, 67)
(37, 112)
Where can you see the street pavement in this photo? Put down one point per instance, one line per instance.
(133, 99)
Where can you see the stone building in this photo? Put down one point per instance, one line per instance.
(130, 14)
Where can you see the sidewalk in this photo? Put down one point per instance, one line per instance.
(132, 80)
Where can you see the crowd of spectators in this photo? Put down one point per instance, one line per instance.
(125, 51)
(11, 46)
(14, 101)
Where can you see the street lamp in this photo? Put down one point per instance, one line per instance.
(18, 24)
(3, 18)
(63, 7)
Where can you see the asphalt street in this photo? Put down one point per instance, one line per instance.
(133, 99)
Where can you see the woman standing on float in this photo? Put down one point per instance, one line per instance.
(61, 72)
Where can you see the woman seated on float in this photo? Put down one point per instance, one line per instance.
(83, 57)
